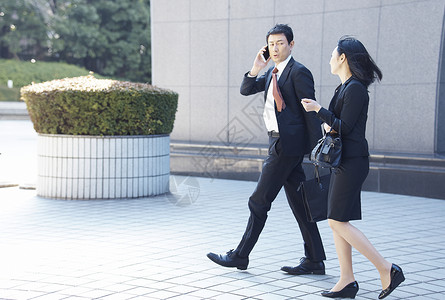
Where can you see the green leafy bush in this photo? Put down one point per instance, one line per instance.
(89, 106)
(8, 94)
(24, 72)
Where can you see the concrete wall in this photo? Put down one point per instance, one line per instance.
(202, 48)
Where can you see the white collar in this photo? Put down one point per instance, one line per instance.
(283, 64)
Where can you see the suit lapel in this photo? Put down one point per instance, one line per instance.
(268, 81)
(285, 73)
(340, 97)
(269, 78)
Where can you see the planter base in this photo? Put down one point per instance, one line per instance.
(103, 167)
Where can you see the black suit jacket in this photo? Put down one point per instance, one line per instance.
(299, 130)
(350, 105)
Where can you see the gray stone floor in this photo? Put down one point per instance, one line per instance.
(155, 248)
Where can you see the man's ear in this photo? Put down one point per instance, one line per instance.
(291, 44)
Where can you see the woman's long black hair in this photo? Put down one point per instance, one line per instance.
(361, 64)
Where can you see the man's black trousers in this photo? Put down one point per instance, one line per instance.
(278, 171)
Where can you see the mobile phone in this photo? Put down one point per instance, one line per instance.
(266, 54)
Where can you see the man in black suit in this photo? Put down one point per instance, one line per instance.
(292, 134)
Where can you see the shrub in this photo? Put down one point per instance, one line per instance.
(8, 94)
(24, 72)
(89, 106)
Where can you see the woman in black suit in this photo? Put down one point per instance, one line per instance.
(348, 112)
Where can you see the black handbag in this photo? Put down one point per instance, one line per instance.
(315, 196)
(327, 152)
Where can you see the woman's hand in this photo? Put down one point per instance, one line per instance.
(326, 127)
(310, 105)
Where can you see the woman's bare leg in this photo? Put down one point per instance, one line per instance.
(344, 253)
(358, 240)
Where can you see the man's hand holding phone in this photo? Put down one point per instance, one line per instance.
(260, 61)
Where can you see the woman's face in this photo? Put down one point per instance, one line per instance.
(335, 61)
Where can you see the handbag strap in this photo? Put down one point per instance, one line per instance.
(339, 126)
(317, 173)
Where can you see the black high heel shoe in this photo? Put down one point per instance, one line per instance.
(396, 279)
(348, 291)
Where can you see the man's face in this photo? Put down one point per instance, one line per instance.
(279, 47)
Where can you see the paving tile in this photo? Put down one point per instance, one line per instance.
(229, 296)
(184, 297)
(206, 293)
(436, 296)
(287, 293)
(19, 294)
(272, 296)
(163, 294)
(117, 296)
(51, 296)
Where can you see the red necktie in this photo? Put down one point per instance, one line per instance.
(276, 91)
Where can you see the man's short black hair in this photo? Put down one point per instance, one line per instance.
(281, 28)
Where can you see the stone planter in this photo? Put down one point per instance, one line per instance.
(102, 167)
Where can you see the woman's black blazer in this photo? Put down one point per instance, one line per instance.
(350, 105)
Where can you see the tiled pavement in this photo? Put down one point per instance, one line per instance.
(154, 248)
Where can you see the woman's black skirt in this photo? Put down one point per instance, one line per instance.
(344, 201)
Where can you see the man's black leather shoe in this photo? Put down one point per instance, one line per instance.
(230, 259)
(306, 267)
